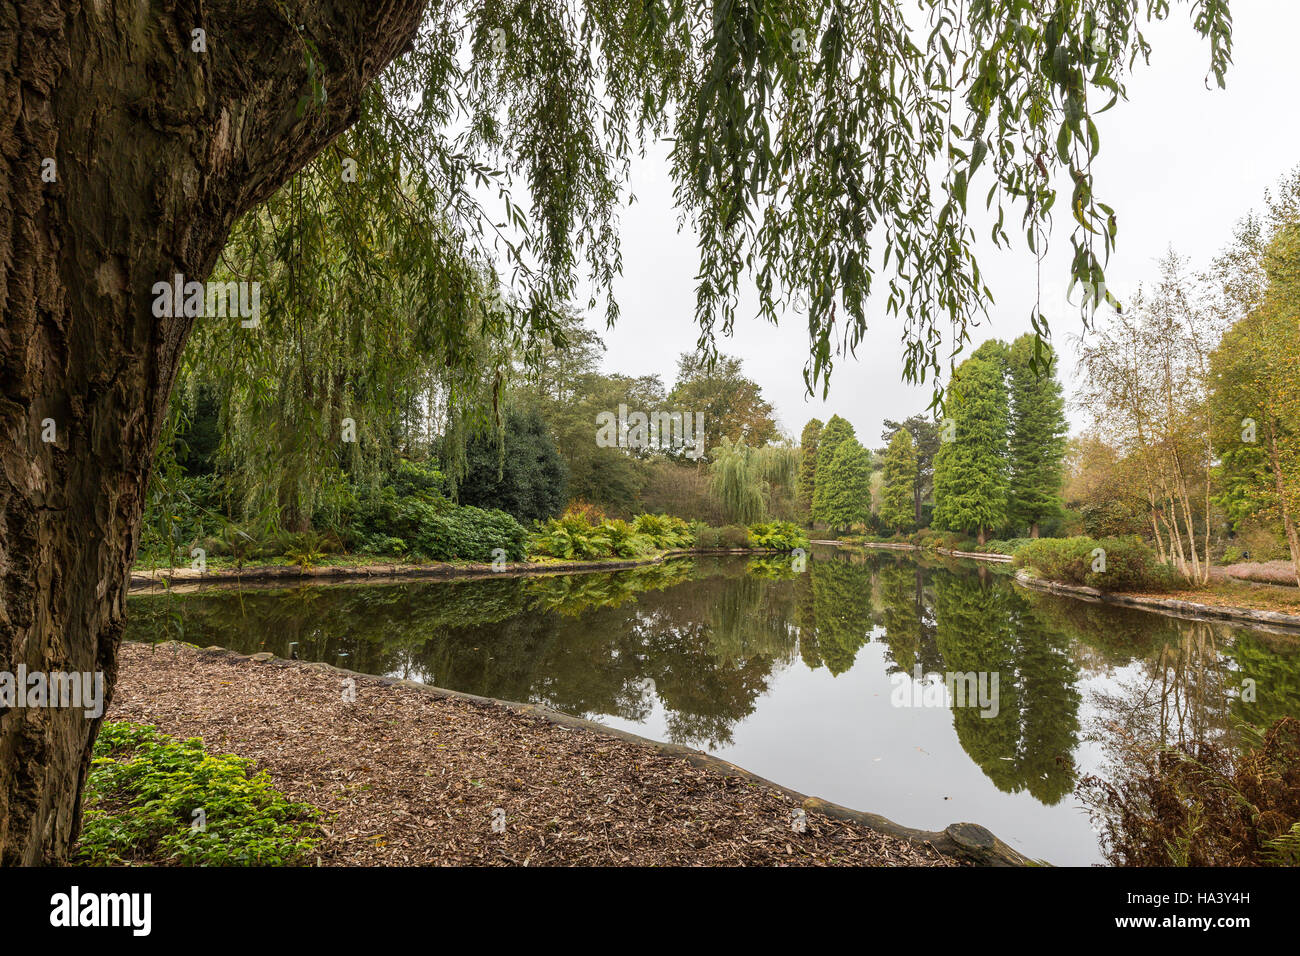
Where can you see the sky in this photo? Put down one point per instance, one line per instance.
(1180, 163)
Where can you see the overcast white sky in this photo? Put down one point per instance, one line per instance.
(1180, 164)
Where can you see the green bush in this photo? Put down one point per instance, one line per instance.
(142, 792)
(1009, 546)
(180, 510)
(471, 534)
(665, 531)
(624, 540)
(415, 479)
(777, 536)
(430, 528)
(1129, 564)
(569, 537)
(383, 544)
(932, 540)
(733, 537)
(708, 538)
(572, 537)
(729, 538)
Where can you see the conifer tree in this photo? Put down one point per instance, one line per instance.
(897, 509)
(1037, 439)
(970, 472)
(836, 432)
(925, 440)
(808, 463)
(845, 484)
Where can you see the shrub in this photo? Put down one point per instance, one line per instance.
(1129, 564)
(665, 531)
(777, 536)
(435, 529)
(383, 544)
(303, 548)
(932, 540)
(708, 538)
(578, 508)
(144, 787)
(624, 540)
(1008, 547)
(572, 537)
(471, 534)
(733, 537)
(1274, 572)
(415, 479)
(728, 538)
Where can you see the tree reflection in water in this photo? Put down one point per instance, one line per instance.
(704, 641)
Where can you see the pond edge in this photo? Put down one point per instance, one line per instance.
(185, 579)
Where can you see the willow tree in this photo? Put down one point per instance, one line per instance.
(744, 478)
(820, 146)
(377, 338)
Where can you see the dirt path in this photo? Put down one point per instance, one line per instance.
(410, 778)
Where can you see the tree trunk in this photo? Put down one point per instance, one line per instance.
(979, 539)
(157, 148)
(1033, 530)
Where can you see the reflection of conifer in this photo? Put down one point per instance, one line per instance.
(843, 611)
(909, 628)
(806, 619)
(985, 626)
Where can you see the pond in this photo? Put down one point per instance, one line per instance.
(805, 675)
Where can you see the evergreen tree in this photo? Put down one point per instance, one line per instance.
(897, 506)
(808, 463)
(925, 438)
(1038, 436)
(970, 470)
(845, 486)
(526, 478)
(836, 432)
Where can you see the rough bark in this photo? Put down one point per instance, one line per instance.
(158, 149)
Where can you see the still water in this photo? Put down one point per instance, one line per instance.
(807, 677)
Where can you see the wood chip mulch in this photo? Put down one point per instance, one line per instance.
(407, 778)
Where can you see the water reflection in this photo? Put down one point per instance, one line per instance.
(695, 650)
